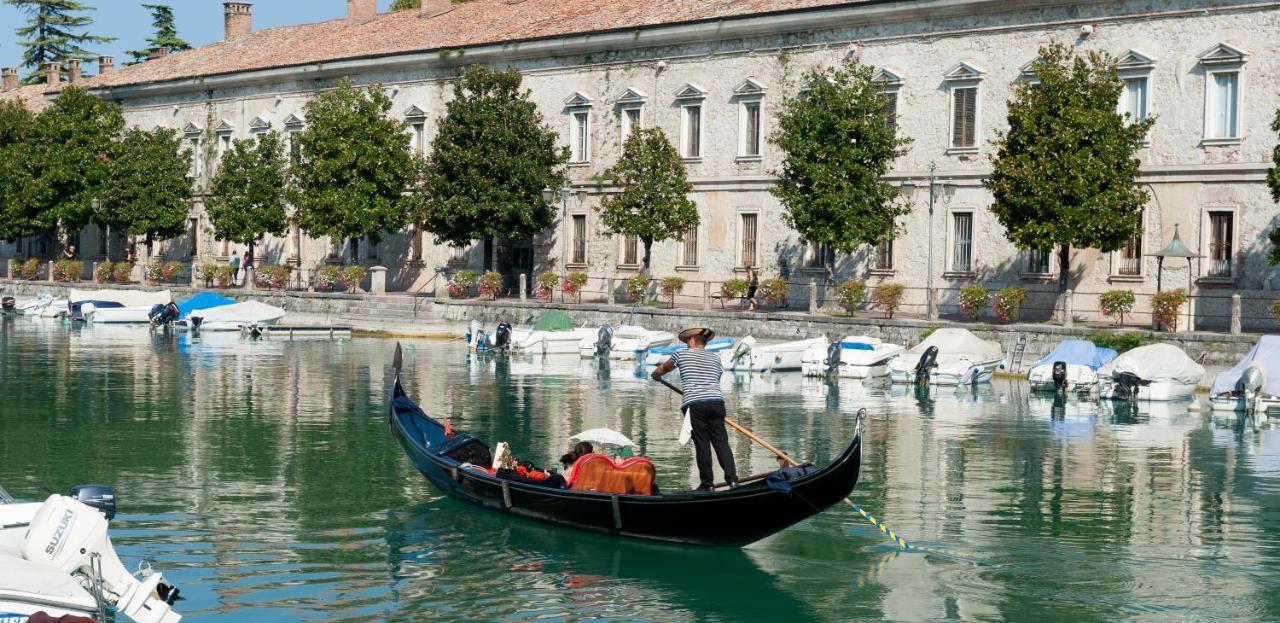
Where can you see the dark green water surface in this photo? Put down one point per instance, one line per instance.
(260, 477)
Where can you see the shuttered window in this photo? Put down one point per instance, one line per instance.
(964, 110)
(884, 255)
(889, 108)
(1038, 262)
(579, 239)
(748, 240)
(690, 247)
(629, 248)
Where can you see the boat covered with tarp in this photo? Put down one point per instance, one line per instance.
(553, 334)
(1253, 384)
(202, 301)
(948, 357)
(1154, 372)
(660, 354)
(454, 462)
(244, 315)
(1072, 367)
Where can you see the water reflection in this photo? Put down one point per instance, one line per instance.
(259, 474)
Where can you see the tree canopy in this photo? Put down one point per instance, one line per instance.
(355, 165)
(71, 156)
(246, 199)
(20, 212)
(166, 33)
(55, 32)
(654, 203)
(489, 163)
(401, 5)
(148, 192)
(837, 145)
(1273, 181)
(1065, 173)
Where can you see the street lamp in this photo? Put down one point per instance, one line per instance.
(936, 189)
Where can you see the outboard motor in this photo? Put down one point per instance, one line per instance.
(502, 336)
(604, 341)
(163, 314)
(1059, 375)
(1126, 386)
(100, 497)
(928, 361)
(834, 351)
(8, 304)
(1250, 385)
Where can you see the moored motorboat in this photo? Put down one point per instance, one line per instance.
(553, 334)
(235, 317)
(852, 356)
(449, 460)
(1159, 372)
(948, 357)
(624, 342)
(748, 356)
(57, 308)
(34, 306)
(109, 306)
(659, 355)
(1071, 367)
(1253, 384)
(56, 558)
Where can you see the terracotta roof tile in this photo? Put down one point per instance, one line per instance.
(470, 23)
(32, 96)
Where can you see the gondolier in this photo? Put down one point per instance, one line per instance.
(700, 373)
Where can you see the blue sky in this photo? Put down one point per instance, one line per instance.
(199, 22)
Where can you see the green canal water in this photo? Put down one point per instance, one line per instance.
(260, 477)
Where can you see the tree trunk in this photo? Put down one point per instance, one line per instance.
(488, 253)
(648, 244)
(149, 241)
(252, 258)
(1064, 266)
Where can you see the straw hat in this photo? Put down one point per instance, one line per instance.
(707, 334)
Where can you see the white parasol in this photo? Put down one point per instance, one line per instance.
(605, 436)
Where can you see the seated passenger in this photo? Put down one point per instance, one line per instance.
(600, 474)
(582, 449)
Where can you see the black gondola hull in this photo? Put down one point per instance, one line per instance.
(726, 518)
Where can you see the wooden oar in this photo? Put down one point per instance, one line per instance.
(782, 455)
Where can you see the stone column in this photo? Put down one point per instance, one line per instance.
(195, 279)
(706, 295)
(524, 287)
(8, 268)
(1068, 308)
(49, 275)
(248, 278)
(609, 290)
(813, 296)
(93, 272)
(378, 280)
(442, 285)
(1235, 314)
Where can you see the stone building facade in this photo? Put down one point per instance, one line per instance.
(712, 75)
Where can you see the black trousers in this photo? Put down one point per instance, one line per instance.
(707, 421)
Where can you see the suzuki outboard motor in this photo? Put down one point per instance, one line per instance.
(100, 497)
(1126, 386)
(8, 304)
(502, 336)
(834, 351)
(1059, 375)
(163, 314)
(604, 341)
(928, 361)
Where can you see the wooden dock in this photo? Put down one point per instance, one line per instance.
(305, 332)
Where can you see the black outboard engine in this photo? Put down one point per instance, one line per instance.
(928, 361)
(163, 314)
(502, 336)
(8, 304)
(1126, 386)
(604, 341)
(834, 350)
(100, 497)
(1059, 375)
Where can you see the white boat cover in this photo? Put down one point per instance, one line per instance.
(1264, 355)
(248, 312)
(1159, 362)
(957, 342)
(127, 298)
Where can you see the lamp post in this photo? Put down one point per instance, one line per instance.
(935, 188)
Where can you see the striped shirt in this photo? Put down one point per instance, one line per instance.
(700, 374)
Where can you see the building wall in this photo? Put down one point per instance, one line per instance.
(1185, 175)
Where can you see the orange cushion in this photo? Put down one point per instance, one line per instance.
(597, 472)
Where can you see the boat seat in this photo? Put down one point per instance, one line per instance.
(599, 473)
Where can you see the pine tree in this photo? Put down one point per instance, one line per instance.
(166, 33)
(654, 204)
(54, 33)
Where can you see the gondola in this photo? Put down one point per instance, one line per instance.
(725, 518)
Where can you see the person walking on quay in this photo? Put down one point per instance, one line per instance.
(69, 253)
(753, 282)
(703, 403)
(235, 269)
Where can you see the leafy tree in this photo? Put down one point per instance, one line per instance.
(148, 192)
(1273, 180)
(54, 33)
(71, 157)
(246, 198)
(836, 148)
(400, 5)
(356, 163)
(20, 213)
(654, 204)
(1065, 173)
(489, 163)
(166, 33)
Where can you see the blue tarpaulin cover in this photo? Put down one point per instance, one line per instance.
(1079, 352)
(203, 300)
(856, 346)
(1265, 355)
(720, 343)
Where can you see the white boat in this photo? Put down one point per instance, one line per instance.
(115, 315)
(56, 558)
(33, 307)
(1253, 385)
(660, 354)
(480, 340)
(627, 342)
(1156, 372)
(245, 315)
(56, 308)
(134, 306)
(949, 357)
(1077, 363)
(850, 357)
(747, 356)
(553, 334)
